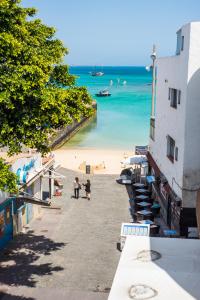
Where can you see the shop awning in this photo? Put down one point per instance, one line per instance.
(33, 200)
(135, 160)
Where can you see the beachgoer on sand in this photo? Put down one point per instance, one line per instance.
(87, 186)
(77, 187)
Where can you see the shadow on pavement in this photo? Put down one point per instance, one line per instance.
(5, 296)
(19, 264)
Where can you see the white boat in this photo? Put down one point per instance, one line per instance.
(97, 73)
(103, 93)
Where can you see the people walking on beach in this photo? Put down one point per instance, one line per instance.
(77, 187)
(87, 186)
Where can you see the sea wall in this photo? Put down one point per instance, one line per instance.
(64, 134)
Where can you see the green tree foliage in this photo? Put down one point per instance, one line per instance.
(37, 93)
(8, 180)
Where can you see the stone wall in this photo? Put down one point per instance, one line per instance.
(64, 134)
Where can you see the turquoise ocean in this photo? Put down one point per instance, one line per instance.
(122, 119)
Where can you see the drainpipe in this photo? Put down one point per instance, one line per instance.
(153, 57)
(152, 120)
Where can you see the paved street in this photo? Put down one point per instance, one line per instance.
(68, 253)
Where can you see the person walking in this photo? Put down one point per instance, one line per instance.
(87, 186)
(76, 188)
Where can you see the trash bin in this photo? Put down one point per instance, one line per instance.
(87, 169)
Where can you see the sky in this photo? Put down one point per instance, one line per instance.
(116, 32)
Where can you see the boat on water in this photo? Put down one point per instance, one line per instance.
(103, 93)
(97, 73)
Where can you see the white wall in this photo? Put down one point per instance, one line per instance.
(182, 124)
(37, 188)
(171, 73)
(19, 163)
(3, 196)
(192, 125)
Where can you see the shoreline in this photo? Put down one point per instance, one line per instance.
(73, 158)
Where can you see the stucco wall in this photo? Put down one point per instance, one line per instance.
(171, 73)
(182, 124)
(192, 124)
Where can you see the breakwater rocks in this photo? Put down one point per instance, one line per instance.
(64, 134)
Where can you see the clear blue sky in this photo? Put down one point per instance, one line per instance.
(116, 32)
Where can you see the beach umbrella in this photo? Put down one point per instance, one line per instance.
(135, 160)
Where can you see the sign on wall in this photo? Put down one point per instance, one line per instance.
(25, 166)
(134, 229)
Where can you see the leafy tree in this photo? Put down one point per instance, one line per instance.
(8, 180)
(37, 93)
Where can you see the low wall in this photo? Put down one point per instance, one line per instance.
(64, 134)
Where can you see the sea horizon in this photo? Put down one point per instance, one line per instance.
(117, 66)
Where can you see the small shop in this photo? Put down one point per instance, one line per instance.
(175, 216)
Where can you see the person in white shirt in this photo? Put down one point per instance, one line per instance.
(76, 187)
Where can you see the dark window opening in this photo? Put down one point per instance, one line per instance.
(170, 148)
(175, 97)
(176, 153)
(182, 43)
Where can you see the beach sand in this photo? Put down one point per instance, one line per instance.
(73, 158)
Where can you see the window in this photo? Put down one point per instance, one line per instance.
(174, 96)
(179, 97)
(176, 153)
(152, 128)
(182, 43)
(178, 43)
(171, 148)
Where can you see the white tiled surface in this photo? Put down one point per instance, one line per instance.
(176, 275)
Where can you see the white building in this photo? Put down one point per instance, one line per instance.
(16, 211)
(174, 153)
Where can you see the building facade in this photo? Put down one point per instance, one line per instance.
(18, 210)
(174, 136)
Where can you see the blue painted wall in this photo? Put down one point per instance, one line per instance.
(6, 231)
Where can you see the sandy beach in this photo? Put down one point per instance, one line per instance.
(100, 158)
